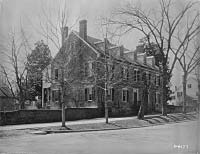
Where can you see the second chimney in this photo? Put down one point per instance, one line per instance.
(83, 29)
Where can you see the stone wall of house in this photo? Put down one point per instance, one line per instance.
(42, 116)
(78, 54)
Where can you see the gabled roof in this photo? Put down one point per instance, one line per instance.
(97, 46)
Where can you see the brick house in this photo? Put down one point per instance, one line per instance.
(81, 64)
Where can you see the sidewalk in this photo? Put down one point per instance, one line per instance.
(123, 123)
(53, 124)
(99, 123)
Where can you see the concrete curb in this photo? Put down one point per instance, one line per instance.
(108, 129)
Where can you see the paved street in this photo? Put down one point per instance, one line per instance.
(156, 139)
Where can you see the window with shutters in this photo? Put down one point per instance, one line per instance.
(110, 93)
(55, 95)
(127, 74)
(111, 69)
(149, 78)
(89, 93)
(157, 80)
(86, 69)
(56, 74)
(144, 76)
(138, 75)
(135, 75)
(157, 98)
(86, 94)
(125, 95)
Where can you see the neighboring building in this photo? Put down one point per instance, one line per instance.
(191, 91)
(83, 59)
(7, 102)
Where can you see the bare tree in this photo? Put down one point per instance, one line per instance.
(188, 60)
(8, 80)
(14, 68)
(197, 74)
(52, 23)
(161, 26)
(53, 27)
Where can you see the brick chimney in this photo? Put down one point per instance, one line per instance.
(64, 32)
(83, 29)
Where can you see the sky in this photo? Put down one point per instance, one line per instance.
(29, 14)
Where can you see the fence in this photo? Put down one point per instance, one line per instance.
(178, 109)
(39, 116)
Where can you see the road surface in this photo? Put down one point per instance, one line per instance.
(170, 139)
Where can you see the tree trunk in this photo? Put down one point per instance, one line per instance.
(63, 114)
(141, 110)
(21, 100)
(184, 91)
(106, 104)
(63, 105)
(198, 104)
(164, 94)
(106, 111)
